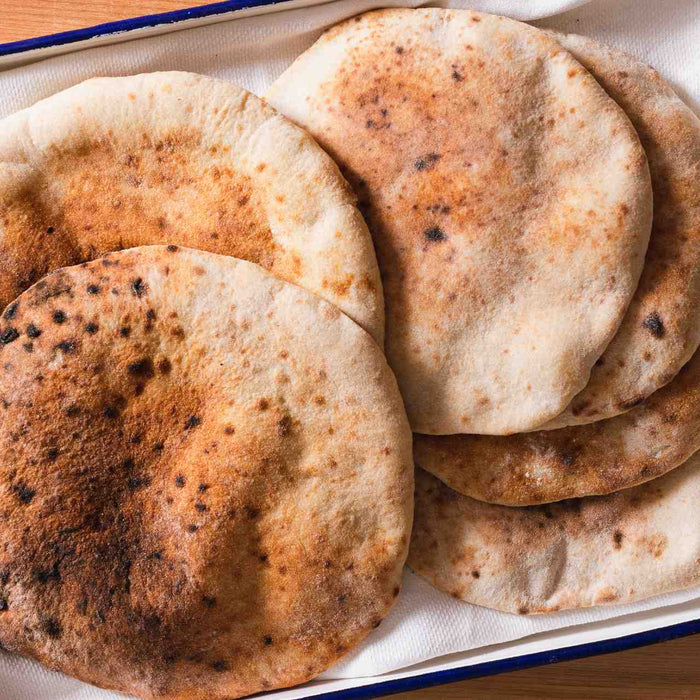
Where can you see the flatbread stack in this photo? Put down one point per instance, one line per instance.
(207, 488)
(503, 173)
(589, 551)
(207, 483)
(508, 196)
(182, 159)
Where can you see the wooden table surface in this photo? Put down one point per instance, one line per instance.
(665, 670)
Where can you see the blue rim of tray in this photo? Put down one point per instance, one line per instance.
(126, 25)
(424, 680)
(515, 663)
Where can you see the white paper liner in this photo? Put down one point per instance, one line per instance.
(425, 624)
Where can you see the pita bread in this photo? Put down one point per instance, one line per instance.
(584, 460)
(508, 197)
(662, 327)
(207, 489)
(619, 548)
(184, 159)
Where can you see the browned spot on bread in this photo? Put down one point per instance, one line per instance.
(192, 422)
(339, 286)
(434, 234)
(23, 493)
(92, 172)
(609, 594)
(655, 544)
(284, 426)
(141, 368)
(631, 403)
(8, 335)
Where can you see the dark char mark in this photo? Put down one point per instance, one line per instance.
(9, 335)
(654, 325)
(427, 161)
(138, 287)
(434, 234)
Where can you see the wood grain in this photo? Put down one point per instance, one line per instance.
(669, 670)
(21, 19)
(665, 670)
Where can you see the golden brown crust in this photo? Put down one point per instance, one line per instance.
(206, 488)
(178, 158)
(508, 197)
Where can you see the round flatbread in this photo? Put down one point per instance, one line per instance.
(508, 197)
(662, 327)
(184, 159)
(207, 481)
(584, 460)
(619, 548)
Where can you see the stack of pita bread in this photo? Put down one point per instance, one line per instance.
(534, 200)
(207, 488)
(207, 483)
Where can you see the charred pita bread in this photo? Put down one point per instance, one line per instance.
(662, 327)
(178, 158)
(508, 197)
(207, 481)
(619, 548)
(584, 460)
